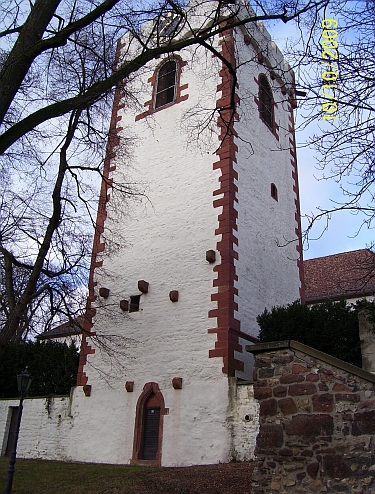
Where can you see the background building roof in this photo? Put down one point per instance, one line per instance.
(69, 328)
(348, 275)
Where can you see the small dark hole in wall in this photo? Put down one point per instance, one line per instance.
(134, 303)
(274, 192)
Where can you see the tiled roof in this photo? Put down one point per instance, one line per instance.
(69, 328)
(348, 275)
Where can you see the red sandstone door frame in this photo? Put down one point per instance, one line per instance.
(152, 396)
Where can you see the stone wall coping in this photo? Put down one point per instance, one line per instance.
(270, 346)
(242, 382)
(46, 397)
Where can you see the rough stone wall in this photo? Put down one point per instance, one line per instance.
(317, 421)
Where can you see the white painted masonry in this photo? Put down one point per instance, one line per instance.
(46, 429)
(172, 158)
(267, 269)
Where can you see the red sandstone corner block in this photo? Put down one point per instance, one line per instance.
(177, 382)
(129, 386)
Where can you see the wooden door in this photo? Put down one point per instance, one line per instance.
(151, 433)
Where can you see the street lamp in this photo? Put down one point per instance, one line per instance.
(23, 383)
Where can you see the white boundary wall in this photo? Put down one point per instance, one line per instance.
(46, 429)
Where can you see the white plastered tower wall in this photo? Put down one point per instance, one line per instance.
(162, 238)
(209, 194)
(269, 265)
(166, 233)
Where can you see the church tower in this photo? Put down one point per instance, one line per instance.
(181, 268)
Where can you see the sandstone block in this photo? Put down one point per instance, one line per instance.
(312, 377)
(287, 406)
(291, 378)
(364, 423)
(335, 467)
(262, 393)
(322, 403)
(298, 369)
(270, 436)
(279, 391)
(310, 424)
(312, 469)
(302, 389)
(268, 407)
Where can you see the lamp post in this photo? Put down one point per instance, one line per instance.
(23, 383)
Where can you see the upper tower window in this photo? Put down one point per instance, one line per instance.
(167, 89)
(265, 101)
(166, 84)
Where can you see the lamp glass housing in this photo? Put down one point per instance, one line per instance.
(23, 383)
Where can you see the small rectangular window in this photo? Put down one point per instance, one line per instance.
(134, 303)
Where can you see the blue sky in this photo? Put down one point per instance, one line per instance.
(342, 234)
(344, 231)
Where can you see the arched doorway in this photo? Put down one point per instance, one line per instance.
(148, 430)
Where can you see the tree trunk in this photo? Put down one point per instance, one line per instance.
(21, 57)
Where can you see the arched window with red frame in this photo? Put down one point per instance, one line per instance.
(265, 101)
(166, 84)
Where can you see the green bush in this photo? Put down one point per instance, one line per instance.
(331, 327)
(52, 365)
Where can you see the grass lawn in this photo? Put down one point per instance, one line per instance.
(52, 477)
